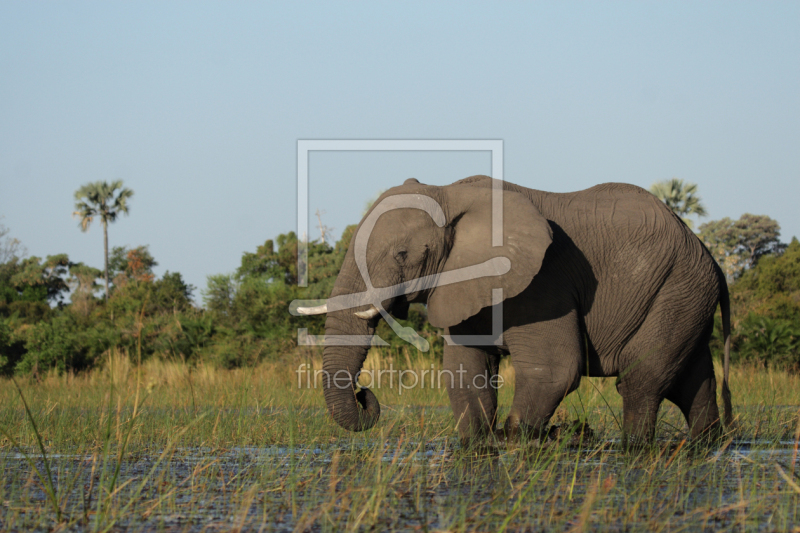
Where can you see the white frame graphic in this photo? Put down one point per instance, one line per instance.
(304, 146)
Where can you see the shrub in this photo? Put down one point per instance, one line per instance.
(768, 341)
(66, 342)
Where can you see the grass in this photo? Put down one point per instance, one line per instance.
(177, 448)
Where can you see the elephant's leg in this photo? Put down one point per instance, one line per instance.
(695, 392)
(652, 360)
(536, 397)
(641, 384)
(468, 376)
(639, 410)
(547, 358)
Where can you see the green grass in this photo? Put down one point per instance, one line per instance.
(174, 448)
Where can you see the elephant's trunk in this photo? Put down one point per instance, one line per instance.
(346, 344)
(341, 365)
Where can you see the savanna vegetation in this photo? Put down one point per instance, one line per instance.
(150, 405)
(166, 446)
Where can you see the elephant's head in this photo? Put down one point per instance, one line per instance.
(421, 240)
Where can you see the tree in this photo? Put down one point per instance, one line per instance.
(28, 286)
(775, 280)
(82, 281)
(757, 236)
(176, 284)
(716, 235)
(41, 280)
(738, 245)
(10, 248)
(681, 197)
(128, 264)
(219, 295)
(98, 199)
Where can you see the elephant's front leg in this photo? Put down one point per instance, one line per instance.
(547, 366)
(470, 379)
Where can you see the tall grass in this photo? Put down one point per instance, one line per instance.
(247, 449)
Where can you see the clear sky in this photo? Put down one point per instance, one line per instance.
(198, 108)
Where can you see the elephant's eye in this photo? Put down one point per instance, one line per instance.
(400, 256)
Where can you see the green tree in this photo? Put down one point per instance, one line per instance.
(778, 274)
(104, 200)
(272, 264)
(739, 244)
(681, 197)
(33, 279)
(41, 280)
(218, 295)
(83, 282)
(765, 306)
(126, 264)
(173, 283)
(772, 287)
(718, 238)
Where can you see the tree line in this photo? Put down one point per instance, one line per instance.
(68, 316)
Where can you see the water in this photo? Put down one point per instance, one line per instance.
(435, 484)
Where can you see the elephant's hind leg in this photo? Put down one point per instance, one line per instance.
(469, 375)
(639, 411)
(695, 393)
(654, 358)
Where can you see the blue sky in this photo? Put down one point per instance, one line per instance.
(198, 108)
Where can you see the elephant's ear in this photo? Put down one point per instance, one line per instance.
(526, 236)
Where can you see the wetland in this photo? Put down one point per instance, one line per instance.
(170, 447)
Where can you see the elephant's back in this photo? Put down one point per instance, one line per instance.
(622, 206)
(625, 211)
(622, 230)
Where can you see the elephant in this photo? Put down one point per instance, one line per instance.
(606, 281)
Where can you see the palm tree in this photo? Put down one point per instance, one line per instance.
(681, 197)
(98, 200)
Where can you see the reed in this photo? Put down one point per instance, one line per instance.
(168, 445)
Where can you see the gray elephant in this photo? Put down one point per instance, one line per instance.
(601, 282)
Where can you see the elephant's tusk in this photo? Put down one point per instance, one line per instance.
(372, 312)
(318, 310)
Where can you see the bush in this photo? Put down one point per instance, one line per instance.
(768, 341)
(67, 342)
(765, 309)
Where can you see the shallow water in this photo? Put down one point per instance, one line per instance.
(400, 483)
(199, 488)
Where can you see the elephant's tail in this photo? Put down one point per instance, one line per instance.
(725, 307)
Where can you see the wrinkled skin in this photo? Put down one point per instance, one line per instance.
(603, 282)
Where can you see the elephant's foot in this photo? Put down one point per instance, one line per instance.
(637, 444)
(576, 433)
(507, 433)
(514, 431)
(709, 439)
